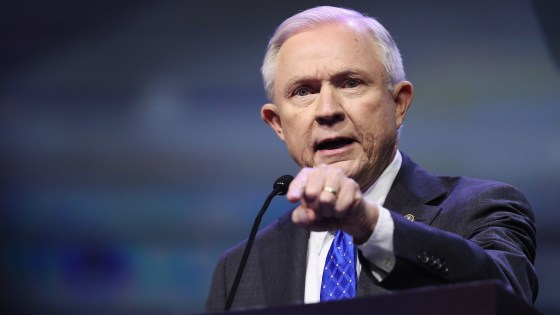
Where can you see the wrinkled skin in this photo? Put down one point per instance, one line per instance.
(334, 110)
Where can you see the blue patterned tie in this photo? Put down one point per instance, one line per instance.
(339, 275)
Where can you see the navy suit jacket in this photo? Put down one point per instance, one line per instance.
(463, 230)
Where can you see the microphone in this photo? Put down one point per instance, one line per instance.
(282, 184)
(280, 187)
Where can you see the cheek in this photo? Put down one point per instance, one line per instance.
(374, 132)
(298, 138)
(294, 128)
(298, 141)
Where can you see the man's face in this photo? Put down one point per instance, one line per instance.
(332, 103)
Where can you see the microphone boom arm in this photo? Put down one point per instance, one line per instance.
(280, 187)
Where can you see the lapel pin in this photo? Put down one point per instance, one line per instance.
(409, 217)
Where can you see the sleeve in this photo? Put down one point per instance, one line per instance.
(378, 249)
(488, 235)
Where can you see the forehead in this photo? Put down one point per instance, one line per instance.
(326, 49)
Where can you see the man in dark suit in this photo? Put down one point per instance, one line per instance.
(338, 98)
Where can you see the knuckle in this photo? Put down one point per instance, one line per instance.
(322, 167)
(353, 184)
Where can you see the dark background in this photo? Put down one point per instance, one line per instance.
(132, 151)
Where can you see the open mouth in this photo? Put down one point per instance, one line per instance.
(333, 144)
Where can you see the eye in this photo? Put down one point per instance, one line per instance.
(351, 83)
(302, 91)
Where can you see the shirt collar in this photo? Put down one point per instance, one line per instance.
(379, 190)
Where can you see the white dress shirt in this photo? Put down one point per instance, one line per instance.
(378, 249)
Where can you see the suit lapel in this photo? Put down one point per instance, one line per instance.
(283, 262)
(415, 193)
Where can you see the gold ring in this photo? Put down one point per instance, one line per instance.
(330, 189)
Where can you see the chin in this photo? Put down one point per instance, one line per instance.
(347, 167)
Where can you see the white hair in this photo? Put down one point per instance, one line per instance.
(390, 56)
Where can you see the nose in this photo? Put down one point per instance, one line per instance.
(329, 110)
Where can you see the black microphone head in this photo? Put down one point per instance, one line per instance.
(282, 184)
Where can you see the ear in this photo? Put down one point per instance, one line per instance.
(269, 113)
(403, 93)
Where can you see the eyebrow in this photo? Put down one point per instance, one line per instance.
(299, 79)
(338, 74)
(349, 72)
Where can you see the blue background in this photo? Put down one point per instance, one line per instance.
(132, 152)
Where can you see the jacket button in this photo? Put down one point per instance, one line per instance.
(433, 261)
(437, 264)
(423, 257)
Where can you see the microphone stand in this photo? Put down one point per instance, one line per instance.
(250, 240)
